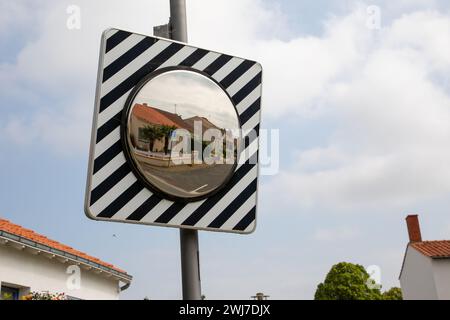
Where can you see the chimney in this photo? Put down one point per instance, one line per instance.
(412, 221)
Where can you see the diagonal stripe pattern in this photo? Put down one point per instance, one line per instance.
(113, 192)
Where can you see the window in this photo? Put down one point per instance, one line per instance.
(8, 293)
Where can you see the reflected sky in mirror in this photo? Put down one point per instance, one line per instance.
(189, 94)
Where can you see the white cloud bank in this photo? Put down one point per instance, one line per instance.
(55, 72)
(388, 91)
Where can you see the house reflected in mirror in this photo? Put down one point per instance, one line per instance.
(183, 134)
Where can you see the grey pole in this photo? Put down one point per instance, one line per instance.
(190, 264)
(190, 259)
(178, 20)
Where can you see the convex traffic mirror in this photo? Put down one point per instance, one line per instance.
(181, 132)
(164, 145)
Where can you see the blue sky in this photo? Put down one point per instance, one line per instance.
(363, 117)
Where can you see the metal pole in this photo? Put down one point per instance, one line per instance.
(178, 20)
(190, 264)
(190, 259)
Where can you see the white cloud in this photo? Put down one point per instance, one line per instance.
(55, 72)
(385, 89)
(60, 65)
(235, 26)
(390, 145)
(298, 72)
(65, 131)
(370, 181)
(17, 15)
(340, 233)
(192, 94)
(427, 32)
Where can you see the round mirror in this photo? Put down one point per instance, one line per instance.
(182, 134)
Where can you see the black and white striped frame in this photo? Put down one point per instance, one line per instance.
(113, 192)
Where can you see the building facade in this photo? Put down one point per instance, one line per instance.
(30, 262)
(425, 273)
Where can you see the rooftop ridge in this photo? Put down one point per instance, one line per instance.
(17, 230)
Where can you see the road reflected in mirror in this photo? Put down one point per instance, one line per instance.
(183, 134)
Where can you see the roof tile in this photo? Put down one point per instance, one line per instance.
(433, 249)
(17, 230)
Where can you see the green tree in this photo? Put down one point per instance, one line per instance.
(152, 133)
(347, 281)
(6, 296)
(393, 294)
(166, 131)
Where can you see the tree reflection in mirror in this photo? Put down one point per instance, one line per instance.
(183, 134)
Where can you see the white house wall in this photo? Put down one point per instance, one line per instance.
(417, 280)
(441, 270)
(43, 274)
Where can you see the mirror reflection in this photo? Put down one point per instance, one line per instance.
(183, 134)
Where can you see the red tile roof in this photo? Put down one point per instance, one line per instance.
(152, 115)
(157, 116)
(19, 231)
(206, 124)
(179, 122)
(433, 249)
